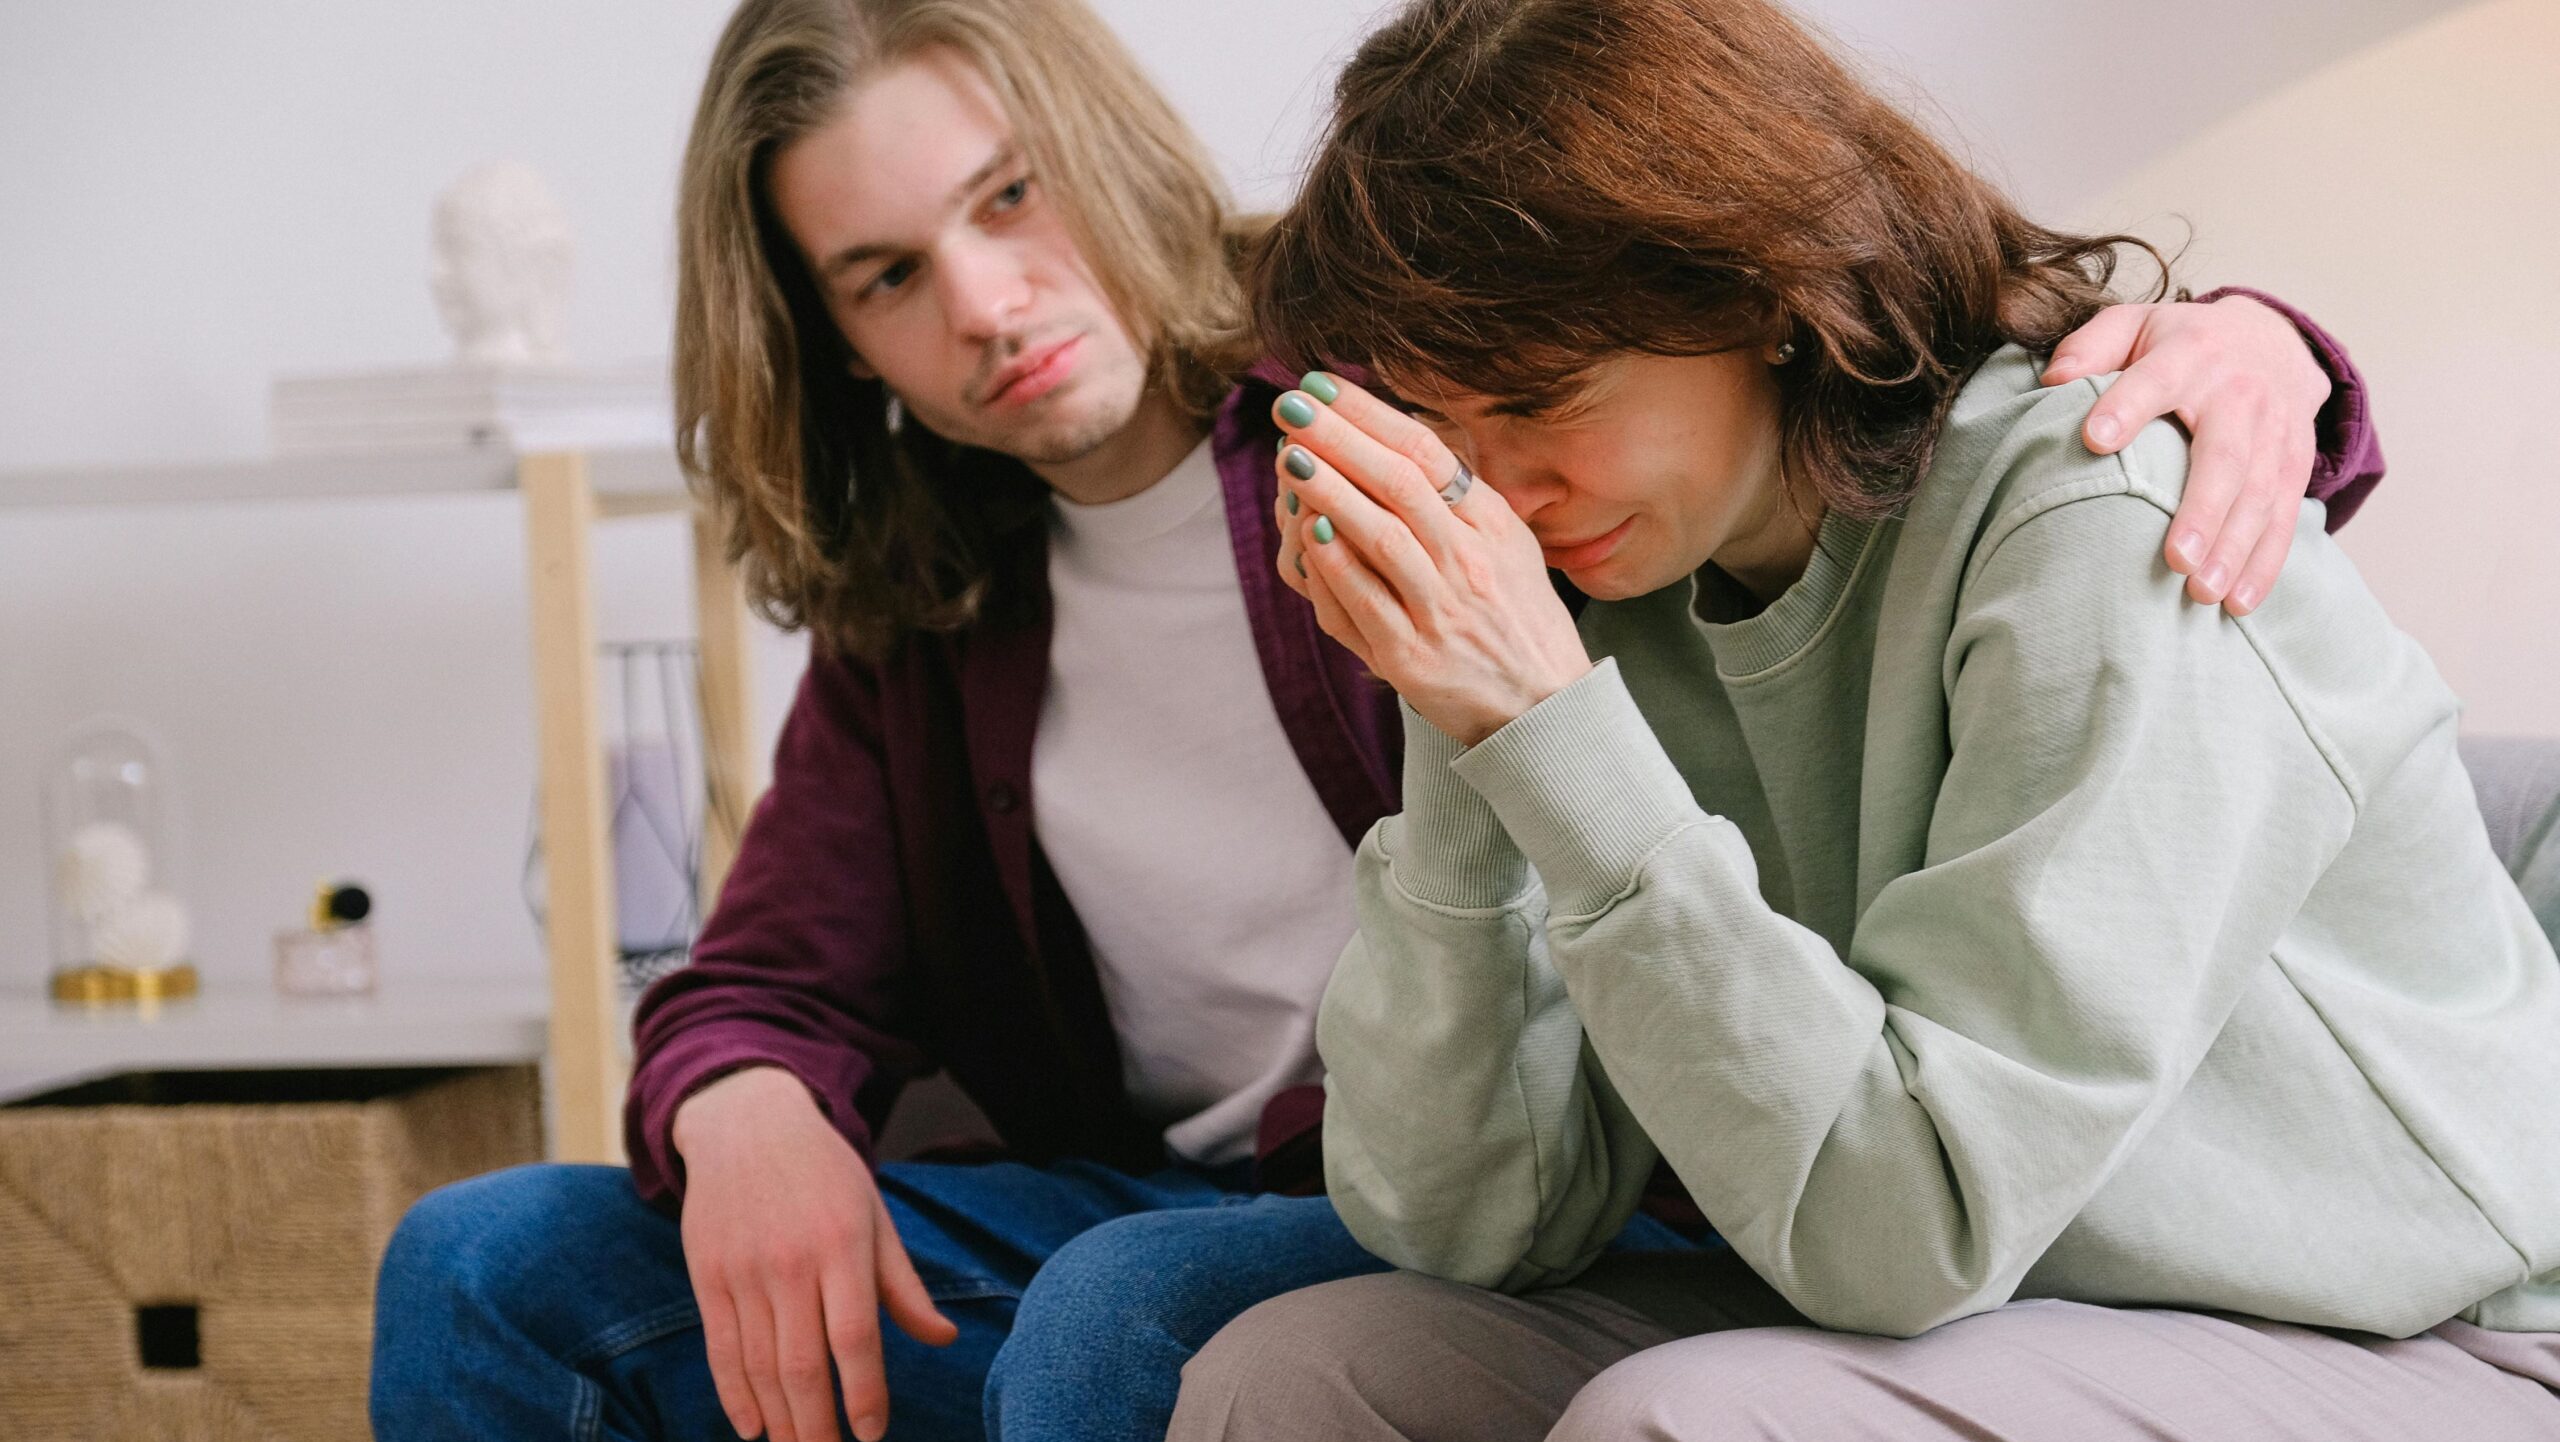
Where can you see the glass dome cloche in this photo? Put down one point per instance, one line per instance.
(120, 927)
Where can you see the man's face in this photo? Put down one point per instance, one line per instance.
(950, 270)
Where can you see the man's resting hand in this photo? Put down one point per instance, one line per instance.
(793, 1257)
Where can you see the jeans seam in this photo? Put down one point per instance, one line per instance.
(972, 1290)
(680, 1316)
(586, 1410)
(637, 1332)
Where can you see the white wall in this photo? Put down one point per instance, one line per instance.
(193, 197)
(196, 197)
(2410, 197)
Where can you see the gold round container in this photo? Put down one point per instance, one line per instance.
(119, 985)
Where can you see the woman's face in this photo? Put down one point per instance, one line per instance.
(1658, 465)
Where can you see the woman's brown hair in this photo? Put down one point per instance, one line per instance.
(1511, 191)
(840, 525)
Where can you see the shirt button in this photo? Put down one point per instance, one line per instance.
(1003, 800)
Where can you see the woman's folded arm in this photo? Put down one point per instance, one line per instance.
(1466, 1134)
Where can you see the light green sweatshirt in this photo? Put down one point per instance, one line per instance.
(1980, 921)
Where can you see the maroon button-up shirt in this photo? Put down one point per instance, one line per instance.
(889, 911)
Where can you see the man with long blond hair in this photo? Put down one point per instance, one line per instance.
(962, 363)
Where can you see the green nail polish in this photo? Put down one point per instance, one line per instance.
(1324, 530)
(1302, 565)
(1292, 498)
(1297, 410)
(1300, 461)
(1323, 387)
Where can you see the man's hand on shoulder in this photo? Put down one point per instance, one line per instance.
(2249, 391)
(792, 1256)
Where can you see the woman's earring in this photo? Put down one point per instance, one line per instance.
(897, 415)
(1786, 351)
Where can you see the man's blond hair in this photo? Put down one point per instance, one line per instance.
(862, 534)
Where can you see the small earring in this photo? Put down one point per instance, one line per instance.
(897, 415)
(1786, 351)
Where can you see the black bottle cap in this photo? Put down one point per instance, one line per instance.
(349, 903)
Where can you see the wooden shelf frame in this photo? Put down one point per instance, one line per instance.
(564, 493)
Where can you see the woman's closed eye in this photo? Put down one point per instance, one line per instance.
(1449, 432)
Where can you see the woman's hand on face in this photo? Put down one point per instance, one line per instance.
(1450, 605)
(2249, 391)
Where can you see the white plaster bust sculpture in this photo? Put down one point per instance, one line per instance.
(500, 271)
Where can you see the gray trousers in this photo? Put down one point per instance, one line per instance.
(1688, 1347)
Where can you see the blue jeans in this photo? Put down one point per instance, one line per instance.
(548, 1301)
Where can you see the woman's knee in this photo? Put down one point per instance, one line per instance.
(1327, 1361)
(1741, 1386)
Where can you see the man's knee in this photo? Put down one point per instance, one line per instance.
(1124, 1273)
(1097, 1307)
(470, 1246)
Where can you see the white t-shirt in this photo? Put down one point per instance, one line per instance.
(1214, 888)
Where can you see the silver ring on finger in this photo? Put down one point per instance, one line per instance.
(1459, 484)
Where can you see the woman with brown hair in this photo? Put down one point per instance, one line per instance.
(2081, 1014)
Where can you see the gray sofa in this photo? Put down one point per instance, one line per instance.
(2518, 779)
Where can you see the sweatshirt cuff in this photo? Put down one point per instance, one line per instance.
(1448, 848)
(1584, 789)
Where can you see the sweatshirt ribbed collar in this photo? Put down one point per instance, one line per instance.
(1798, 618)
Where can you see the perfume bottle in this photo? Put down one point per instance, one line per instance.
(333, 956)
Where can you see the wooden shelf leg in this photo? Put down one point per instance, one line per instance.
(731, 770)
(586, 1052)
